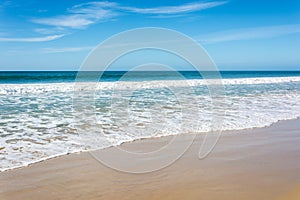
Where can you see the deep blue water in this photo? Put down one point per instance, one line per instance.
(15, 77)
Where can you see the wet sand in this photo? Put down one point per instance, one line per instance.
(250, 164)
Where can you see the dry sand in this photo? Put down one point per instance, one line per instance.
(251, 164)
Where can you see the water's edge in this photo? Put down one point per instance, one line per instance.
(223, 133)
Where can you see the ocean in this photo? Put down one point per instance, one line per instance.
(37, 119)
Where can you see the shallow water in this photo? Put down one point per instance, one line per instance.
(42, 120)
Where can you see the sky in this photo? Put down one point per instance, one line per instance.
(237, 34)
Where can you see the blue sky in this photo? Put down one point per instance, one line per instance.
(238, 34)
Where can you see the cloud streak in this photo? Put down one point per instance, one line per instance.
(167, 10)
(83, 15)
(250, 33)
(34, 39)
(80, 16)
(67, 49)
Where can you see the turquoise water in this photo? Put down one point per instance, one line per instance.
(46, 114)
(70, 76)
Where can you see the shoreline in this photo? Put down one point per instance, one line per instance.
(226, 132)
(261, 163)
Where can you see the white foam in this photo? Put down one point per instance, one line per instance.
(69, 87)
(37, 121)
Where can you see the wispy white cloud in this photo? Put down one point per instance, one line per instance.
(92, 6)
(72, 21)
(67, 49)
(250, 33)
(33, 39)
(82, 15)
(186, 8)
(49, 30)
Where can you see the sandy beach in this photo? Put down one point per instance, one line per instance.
(261, 163)
(149, 100)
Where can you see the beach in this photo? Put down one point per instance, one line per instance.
(149, 100)
(261, 163)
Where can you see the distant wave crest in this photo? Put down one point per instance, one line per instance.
(69, 87)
